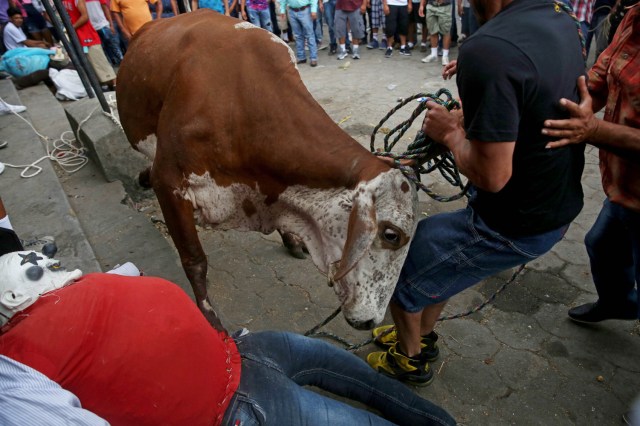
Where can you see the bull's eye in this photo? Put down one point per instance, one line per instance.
(34, 273)
(391, 235)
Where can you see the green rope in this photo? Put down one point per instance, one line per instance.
(560, 5)
(422, 148)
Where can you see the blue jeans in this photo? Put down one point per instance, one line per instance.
(329, 18)
(111, 45)
(302, 27)
(452, 251)
(613, 245)
(260, 18)
(317, 27)
(276, 366)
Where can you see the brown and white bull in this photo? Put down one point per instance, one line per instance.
(237, 141)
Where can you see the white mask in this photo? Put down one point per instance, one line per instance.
(27, 275)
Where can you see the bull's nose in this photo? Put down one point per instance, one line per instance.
(361, 325)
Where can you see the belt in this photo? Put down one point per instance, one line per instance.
(440, 4)
(298, 9)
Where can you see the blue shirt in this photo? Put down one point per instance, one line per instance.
(216, 5)
(28, 397)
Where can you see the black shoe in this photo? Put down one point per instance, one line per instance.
(593, 312)
(333, 49)
(388, 53)
(395, 364)
(301, 61)
(386, 336)
(405, 51)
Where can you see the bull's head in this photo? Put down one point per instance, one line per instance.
(381, 223)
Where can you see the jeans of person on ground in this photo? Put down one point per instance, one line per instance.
(613, 245)
(260, 18)
(317, 27)
(453, 251)
(111, 44)
(329, 18)
(277, 365)
(302, 26)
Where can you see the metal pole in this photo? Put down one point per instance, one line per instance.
(88, 69)
(72, 53)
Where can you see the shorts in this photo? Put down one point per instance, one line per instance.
(414, 16)
(397, 21)
(34, 22)
(453, 251)
(439, 19)
(100, 64)
(377, 14)
(355, 23)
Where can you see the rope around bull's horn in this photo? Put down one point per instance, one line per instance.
(420, 149)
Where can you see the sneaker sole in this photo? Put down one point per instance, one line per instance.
(408, 379)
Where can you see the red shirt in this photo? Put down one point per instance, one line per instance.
(86, 33)
(616, 78)
(135, 350)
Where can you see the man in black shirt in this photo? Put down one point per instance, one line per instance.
(526, 55)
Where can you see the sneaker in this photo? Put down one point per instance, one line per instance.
(343, 54)
(314, 63)
(383, 44)
(333, 49)
(373, 44)
(356, 53)
(429, 58)
(45, 245)
(6, 108)
(386, 336)
(590, 313)
(410, 46)
(394, 364)
(423, 47)
(405, 51)
(445, 60)
(388, 52)
(301, 61)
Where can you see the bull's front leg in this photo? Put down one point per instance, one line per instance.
(178, 215)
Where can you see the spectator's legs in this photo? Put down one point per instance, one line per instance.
(317, 28)
(111, 45)
(329, 16)
(613, 245)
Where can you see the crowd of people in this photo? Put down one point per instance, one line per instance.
(523, 155)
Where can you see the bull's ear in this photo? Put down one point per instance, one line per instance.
(362, 230)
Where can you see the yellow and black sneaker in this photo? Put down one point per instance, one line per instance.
(393, 363)
(386, 336)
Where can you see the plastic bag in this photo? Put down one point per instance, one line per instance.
(68, 84)
(22, 61)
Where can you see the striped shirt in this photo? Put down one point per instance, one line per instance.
(28, 397)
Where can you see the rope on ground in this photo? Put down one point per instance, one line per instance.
(67, 151)
(354, 347)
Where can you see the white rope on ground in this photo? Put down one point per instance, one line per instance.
(67, 150)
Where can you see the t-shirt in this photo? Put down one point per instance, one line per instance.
(348, 5)
(258, 4)
(86, 33)
(96, 14)
(216, 5)
(134, 350)
(511, 76)
(13, 36)
(135, 13)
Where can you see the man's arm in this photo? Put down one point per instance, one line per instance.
(194, 5)
(243, 9)
(488, 165)
(107, 15)
(583, 126)
(118, 17)
(84, 16)
(174, 7)
(159, 9)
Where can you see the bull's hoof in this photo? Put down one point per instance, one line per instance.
(297, 251)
